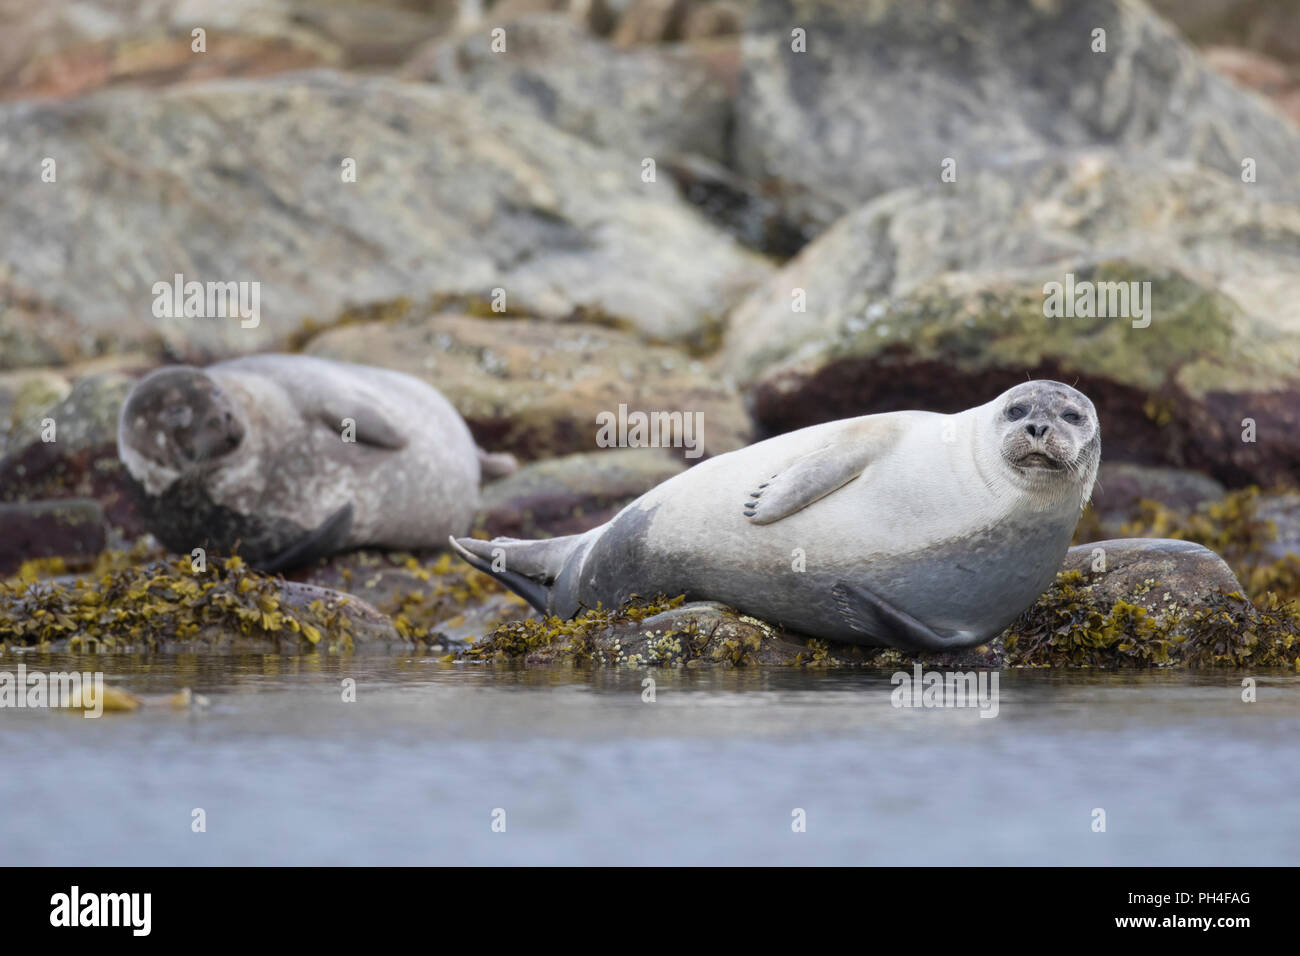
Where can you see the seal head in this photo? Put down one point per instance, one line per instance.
(178, 419)
(1049, 437)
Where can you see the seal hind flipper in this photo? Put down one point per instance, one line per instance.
(807, 479)
(872, 616)
(533, 588)
(329, 538)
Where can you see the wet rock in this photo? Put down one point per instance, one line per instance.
(81, 459)
(1157, 574)
(69, 527)
(650, 102)
(660, 633)
(1155, 603)
(68, 47)
(927, 298)
(171, 606)
(450, 199)
(885, 92)
(536, 388)
(436, 601)
(571, 494)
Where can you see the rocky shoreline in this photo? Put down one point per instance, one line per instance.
(660, 206)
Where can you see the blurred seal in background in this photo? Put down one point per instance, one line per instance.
(287, 458)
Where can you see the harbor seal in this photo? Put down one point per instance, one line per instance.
(289, 458)
(913, 530)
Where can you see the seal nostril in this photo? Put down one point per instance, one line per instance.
(1036, 431)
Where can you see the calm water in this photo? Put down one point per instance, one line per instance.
(587, 772)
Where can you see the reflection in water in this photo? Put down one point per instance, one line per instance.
(588, 770)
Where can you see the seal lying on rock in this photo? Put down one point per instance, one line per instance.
(291, 458)
(907, 529)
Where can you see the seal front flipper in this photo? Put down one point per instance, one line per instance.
(329, 538)
(805, 480)
(372, 425)
(872, 616)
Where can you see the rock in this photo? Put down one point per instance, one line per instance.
(598, 16)
(716, 18)
(24, 395)
(747, 210)
(889, 326)
(536, 388)
(66, 528)
(1159, 574)
(1263, 74)
(436, 601)
(81, 461)
(451, 200)
(169, 606)
(1272, 26)
(1282, 508)
(886, 92)
(652, 21)
(1156, 603)
(648, 102)
(68, 47)
(1121, 485)
(571, 494)
(660, 633)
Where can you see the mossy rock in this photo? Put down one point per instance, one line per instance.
(435, 600)
(82, 460)
(168, 606)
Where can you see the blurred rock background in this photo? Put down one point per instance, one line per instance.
(774, 172)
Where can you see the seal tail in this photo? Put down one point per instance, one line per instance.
(528, 568)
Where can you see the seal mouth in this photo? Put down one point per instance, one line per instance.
(1038, 461)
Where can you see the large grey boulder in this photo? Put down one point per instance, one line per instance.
(244, 181)
(654, 102)
(886, 91)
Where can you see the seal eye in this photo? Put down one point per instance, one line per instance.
(1016, 412)
(1074, 418)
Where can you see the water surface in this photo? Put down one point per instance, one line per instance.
(588, 772)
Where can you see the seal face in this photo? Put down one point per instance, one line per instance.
(906, 529)
(179, 418)
(286, 458)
